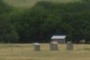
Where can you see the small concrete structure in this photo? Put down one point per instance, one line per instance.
(36, 46)
(58, 38)
(69, 46)
(54, 46)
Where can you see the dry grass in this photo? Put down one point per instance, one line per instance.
(30, 3)
(26, 52)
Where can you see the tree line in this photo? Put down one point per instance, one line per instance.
(45, 19)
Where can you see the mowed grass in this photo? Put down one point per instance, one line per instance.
(26, 52)
(30, 3)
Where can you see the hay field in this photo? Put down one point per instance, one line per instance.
(26, 52)
(30, 3)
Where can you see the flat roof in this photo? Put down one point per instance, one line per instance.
(58, 37)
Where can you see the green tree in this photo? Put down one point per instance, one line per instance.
(39, 23)
(7, 30)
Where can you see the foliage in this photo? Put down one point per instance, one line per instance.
(45, 19)
(7, 31)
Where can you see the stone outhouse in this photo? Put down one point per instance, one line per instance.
(58, 38)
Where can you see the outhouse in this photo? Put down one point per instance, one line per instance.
(58, 38)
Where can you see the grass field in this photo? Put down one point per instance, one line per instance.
(30, 3)
(26, 52)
